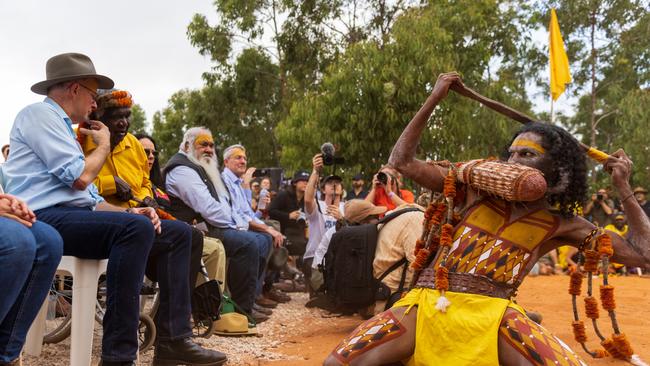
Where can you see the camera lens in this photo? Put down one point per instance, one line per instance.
(382, 178)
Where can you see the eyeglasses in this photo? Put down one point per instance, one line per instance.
(151, 152)
(92, 92)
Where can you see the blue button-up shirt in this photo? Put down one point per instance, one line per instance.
(183, 182)
(241, 199)
(46, 159)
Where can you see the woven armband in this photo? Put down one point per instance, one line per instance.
(512, 182)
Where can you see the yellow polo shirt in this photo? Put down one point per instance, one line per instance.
(127, 161)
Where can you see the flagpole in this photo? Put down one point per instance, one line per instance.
(552, 112)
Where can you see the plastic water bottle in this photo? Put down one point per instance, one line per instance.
(261, 203)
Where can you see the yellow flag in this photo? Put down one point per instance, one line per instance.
(559, 61)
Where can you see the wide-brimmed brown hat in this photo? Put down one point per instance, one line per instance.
(640, 190)
(357, 210)
(70, 66)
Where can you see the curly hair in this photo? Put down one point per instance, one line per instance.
(569, 166)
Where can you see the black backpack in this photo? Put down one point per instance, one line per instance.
(347, 269)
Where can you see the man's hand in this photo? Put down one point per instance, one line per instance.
(294, 215)
(278, 238)
(333, 211)
(619, 166)
(15, 209)
(444, 82)
(150, 213)
(98, 132)
(248, 177)
(317, 162)
(122, 189)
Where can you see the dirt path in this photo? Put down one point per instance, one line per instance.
(547, 295)
(297, 336)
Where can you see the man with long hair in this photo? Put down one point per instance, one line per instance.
(489, 249)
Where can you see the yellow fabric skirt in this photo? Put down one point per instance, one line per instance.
(467, 334)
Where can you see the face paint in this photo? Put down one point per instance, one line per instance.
(235, 153)
(528, 143)
(203, 141)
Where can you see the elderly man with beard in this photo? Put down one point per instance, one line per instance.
(49, 171)
(199, 195)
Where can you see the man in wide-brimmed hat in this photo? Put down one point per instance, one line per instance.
(49, 171)
(640, 195)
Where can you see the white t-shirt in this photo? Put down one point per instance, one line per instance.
(322, 247)
(319, 223)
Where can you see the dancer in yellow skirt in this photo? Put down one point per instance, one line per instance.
(495, 241)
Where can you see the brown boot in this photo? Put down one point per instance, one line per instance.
(277, 296)
(267, 303)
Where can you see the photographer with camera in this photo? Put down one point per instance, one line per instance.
(321, 214)
(600, 208)
(386, 189)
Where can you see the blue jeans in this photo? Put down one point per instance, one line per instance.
(247, 253)
(28, 260)
(128, 241)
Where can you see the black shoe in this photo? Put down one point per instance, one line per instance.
(262, 309)
(186, 352)
(259, 317)
(116, 363)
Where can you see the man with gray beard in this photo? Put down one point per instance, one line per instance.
(198, 195)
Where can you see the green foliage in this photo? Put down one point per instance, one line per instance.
(138, 120)
(371, 92)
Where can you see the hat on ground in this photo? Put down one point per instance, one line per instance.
(358, 177)
(331, 177)
(70, 66)
(233, 324)
(357, 210)
(640, 190)
(300, 175)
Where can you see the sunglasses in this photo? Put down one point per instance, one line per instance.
(151, 152)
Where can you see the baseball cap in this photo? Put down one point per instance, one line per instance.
(331, 177)
(300, 175)
(357, 177)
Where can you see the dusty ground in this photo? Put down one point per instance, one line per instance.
(298, 336)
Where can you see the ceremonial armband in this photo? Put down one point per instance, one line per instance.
(511, 182)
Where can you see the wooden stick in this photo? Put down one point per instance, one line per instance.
(518, 116)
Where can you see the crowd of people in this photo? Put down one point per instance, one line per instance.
(97, 191)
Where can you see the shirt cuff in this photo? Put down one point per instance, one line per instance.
(69, 173)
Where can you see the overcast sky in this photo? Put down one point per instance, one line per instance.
(140, 44)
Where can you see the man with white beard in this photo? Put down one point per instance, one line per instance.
(198, 194)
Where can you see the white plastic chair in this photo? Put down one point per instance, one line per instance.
(85, 274)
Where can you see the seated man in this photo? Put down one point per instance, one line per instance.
(123, 179)
(237, 177)
(198, 194)
(214, 255)
(30, 251)
(49, 170)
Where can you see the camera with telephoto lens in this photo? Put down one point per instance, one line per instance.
(382, 178)
(599, 196)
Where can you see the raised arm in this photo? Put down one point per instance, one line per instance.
(637, 242)
(312, 184)
(403, 158)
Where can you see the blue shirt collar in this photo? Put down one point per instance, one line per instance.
(228, 174)
(60, 112)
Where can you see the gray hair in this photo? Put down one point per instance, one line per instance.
(191, 134)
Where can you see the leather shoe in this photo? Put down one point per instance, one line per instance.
(262, 309)
(259, 317)
(116, 363)
(186, 352)
(267, 303)
(277, 296)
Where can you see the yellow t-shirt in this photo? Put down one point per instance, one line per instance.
(127, 161)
